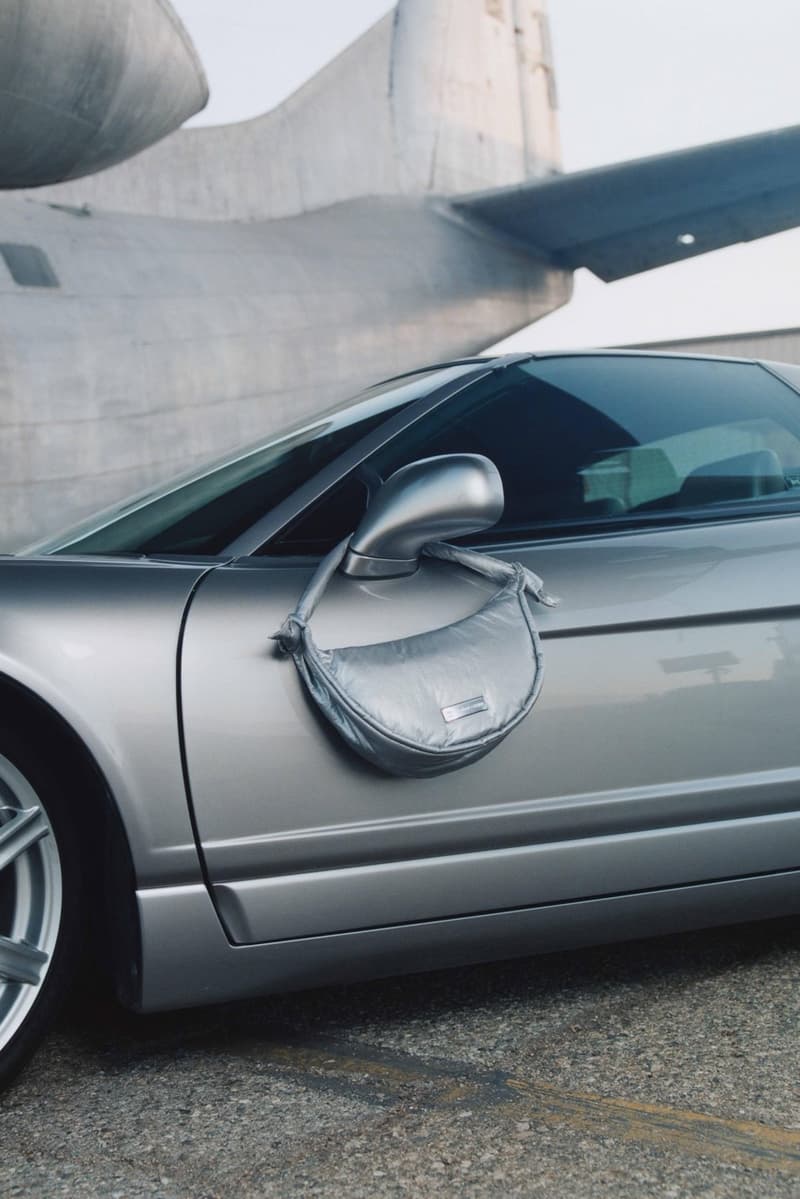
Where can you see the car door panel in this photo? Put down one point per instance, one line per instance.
(668, 703)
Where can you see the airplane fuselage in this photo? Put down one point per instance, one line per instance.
(169, 341)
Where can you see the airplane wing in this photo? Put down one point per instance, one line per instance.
(632, 216)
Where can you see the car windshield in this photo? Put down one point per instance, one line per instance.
(204, 511)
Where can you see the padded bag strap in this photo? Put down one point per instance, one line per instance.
(290, 635)
(492, 568)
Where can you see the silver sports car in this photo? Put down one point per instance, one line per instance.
(164, 773)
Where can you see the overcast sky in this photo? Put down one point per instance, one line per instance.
(635, 77)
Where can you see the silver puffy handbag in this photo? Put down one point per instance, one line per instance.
(436, 701)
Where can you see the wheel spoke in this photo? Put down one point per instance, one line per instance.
(24, 829)
(20, 963)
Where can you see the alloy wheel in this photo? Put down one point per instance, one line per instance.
(30, 899)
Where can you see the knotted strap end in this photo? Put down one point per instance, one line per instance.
(289, 636)
(535, 587)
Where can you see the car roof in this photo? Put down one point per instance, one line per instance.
(624, 352)
(580, 352)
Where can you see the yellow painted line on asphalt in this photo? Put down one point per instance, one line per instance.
(743, 1142)
(449, 1085)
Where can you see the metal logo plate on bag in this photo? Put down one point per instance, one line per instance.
(467, 707)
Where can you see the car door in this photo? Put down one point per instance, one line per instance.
(657, 497)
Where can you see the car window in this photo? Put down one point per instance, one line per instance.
(204, 511)
(588, 441)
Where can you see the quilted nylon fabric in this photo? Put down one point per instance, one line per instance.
(434, 702)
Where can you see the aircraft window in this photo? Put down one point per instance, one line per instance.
(28, 265)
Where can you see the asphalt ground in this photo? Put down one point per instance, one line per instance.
(666, 1068)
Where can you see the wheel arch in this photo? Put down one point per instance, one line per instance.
(105, 850)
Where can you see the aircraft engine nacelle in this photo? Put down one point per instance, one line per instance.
(85, 84)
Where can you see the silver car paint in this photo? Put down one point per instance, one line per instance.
(188, 960)
(97, 640)
(641, 742)
(433, 499)
(638, 733)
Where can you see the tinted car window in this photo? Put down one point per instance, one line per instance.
(587, 441)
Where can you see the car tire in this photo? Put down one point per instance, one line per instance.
(41, 899)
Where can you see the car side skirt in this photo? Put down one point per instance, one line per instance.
(187, 960)
(317, 903)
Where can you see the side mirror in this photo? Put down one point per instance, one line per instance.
(431, 500)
